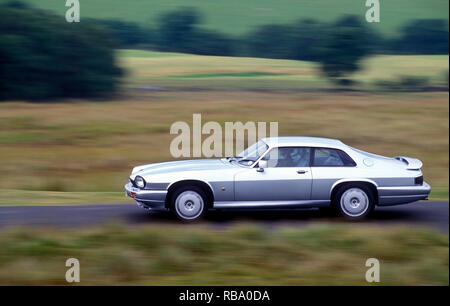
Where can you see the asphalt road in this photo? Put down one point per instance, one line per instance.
(425, 213)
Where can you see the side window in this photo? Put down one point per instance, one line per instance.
(325, 157)
(288, 157)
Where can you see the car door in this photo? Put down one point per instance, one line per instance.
(286, 178)
(328, 166)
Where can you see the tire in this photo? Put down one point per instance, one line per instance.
(189, 203)
(354, 201)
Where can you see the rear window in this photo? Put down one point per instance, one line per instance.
(326, 157)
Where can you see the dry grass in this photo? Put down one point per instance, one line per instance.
(87, 146)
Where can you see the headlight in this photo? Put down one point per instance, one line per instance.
(139, 182)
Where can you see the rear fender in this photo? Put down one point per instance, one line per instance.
(352, 180)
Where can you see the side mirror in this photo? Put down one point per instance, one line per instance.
(261, 165)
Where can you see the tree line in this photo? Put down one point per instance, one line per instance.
(338, 46)
(181, 30)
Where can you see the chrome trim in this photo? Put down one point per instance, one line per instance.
(404, 190)
(270, 204)
(402, 194)
(146, 196)
(404, 199)
(405, 196)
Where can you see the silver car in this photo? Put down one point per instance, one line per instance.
(281, 172)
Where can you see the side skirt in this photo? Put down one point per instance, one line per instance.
(271, 204)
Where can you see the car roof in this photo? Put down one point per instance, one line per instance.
(303, 141)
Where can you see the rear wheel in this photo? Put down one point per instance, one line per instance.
(354, 201)
(188, 203)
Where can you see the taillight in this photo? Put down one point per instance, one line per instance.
(418, 180)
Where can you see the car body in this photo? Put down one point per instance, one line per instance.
(281, 172)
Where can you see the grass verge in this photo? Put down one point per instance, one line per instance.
(13, 197)
(239, 255)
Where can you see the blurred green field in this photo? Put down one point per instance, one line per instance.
(158, 69)
(240, 16)
(237, 255)
(77, 151)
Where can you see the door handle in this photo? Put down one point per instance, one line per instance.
(302, 171)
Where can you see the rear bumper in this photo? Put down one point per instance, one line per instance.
(149, 199)
(402, 194)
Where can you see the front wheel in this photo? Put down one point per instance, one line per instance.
(188, 203)
(354, 202)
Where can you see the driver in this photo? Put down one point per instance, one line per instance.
(300, 157)
(284, 158)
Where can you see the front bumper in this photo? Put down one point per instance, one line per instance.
(149, 199)
(402, 194)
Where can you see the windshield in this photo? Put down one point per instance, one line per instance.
(252, 153)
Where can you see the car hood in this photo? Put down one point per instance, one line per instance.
(184, 165)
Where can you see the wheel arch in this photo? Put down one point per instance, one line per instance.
(198, 183)
(365, 182)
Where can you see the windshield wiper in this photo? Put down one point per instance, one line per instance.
(247, 161)
(234, 158)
